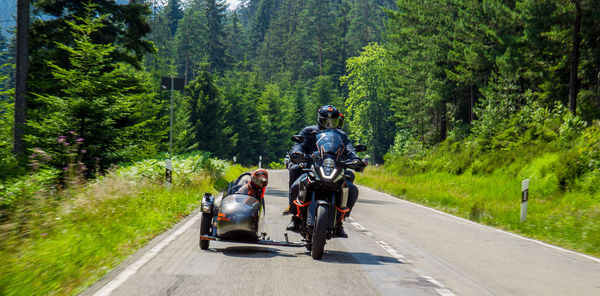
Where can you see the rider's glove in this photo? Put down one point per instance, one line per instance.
(359, 164)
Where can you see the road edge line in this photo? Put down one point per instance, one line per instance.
(489, 227)
(109, 287)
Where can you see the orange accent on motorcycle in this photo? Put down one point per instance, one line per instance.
(222, 217)
(344, 211)
(298, 206)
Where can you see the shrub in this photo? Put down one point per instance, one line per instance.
(16, 193)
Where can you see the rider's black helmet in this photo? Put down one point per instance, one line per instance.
(329, 117)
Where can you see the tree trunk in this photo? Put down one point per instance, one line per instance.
(187, 67)
(21, 75)
(574, 82)
(443, 126)
(367, 24)
(471, 103)
(320, 56)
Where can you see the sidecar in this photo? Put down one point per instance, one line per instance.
(235, 217)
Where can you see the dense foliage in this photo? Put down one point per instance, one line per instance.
(472, 78)
(268, 66)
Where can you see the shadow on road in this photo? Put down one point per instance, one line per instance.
(252, 252)
(358, 258)
(375, 202)
(277, 192)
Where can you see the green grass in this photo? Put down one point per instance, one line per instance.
(64, 242)
(566, 218)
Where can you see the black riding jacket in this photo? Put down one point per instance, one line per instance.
(310, 142)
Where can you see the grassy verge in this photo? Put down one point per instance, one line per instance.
(565, 218)
(64, 241)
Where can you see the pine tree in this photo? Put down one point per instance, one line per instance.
(215, 21)
(5, 67)
(207, 115)
(279, 50)
(261, 19)
(418, 44)
(236, 44)
(191, 41)
(126, 28)
(317, 32)
(340, 47)
(104, 102)
(174, 13)
(366, 24)
(274, 125)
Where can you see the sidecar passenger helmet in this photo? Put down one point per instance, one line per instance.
(260, 178)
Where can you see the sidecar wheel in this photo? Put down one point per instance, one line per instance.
(205, 229)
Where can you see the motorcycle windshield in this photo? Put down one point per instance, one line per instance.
(330, 142)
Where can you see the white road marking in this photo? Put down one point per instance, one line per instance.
(440, 288)
(358, 226)
(489, 227)
(431, 280)
(135, 266)
(382, 244)
(392, 252)
(444, 292)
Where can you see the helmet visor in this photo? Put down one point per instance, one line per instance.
(330, 122)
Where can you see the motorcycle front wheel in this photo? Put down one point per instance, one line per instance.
(320, 233)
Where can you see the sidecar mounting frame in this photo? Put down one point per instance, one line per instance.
(261, 241)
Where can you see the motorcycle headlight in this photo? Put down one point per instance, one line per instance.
(328, 170)
(329, 163)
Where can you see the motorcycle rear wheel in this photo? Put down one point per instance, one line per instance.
(205, 229)
(320, 233)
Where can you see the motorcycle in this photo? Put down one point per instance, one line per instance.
(323, 192)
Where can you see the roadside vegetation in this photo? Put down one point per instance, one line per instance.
(479, 178)
(60, 238)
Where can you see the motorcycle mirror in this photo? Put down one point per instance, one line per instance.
(298, 138)
(360, 148)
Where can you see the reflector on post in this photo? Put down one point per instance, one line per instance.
(524, 199)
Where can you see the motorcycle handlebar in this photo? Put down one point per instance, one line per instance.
(354, 164)
(299, 158)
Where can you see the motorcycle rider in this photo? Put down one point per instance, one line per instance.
(295, 170)
(327, 117)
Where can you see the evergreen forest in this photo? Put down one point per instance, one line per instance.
(458, 101)
(401, 71)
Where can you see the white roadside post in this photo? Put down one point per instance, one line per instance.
(170, 83)
(169, 174)
(169, 165)
(234, 159)
(524, 198)
(260, 162)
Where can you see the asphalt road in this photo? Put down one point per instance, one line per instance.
(394, 248)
